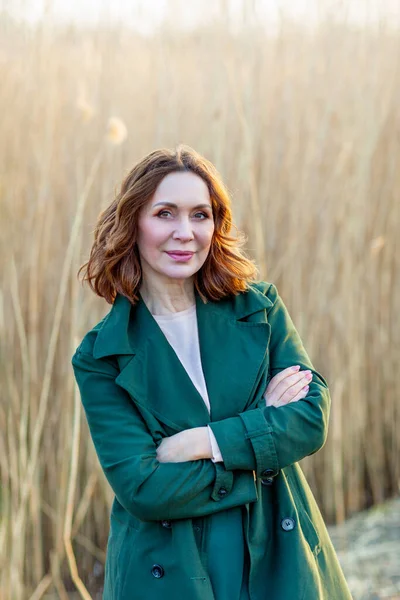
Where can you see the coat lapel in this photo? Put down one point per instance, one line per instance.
(233, 337)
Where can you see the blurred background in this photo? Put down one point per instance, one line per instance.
(297, 105)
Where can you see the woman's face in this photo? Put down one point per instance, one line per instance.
(178, 218)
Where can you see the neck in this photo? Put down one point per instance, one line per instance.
(165, 301)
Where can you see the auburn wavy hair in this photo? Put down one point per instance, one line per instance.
(114, 262)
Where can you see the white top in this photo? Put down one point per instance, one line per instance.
(180, 329)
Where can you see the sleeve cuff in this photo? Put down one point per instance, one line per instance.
(246, 442)
(223, 483)
(234, 444)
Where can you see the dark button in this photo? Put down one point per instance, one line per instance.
(222, 491)
(268, 473)
(197, 528)
(157, 571)
(267, 481)
(287, 523)
(166, 523)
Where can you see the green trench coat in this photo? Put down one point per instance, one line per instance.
(135, 391)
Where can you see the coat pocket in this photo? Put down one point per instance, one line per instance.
(304, 512)
(309, 531)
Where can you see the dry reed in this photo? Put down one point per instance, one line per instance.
(306, 131)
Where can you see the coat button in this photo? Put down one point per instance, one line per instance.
(268, 473)
(166, 523)
(222, 491)
(157, 571)
(287, 523)
(267, 481)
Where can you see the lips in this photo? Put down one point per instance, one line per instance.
(180, 257)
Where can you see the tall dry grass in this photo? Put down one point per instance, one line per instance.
(306, 132)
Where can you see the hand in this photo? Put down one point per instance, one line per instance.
(190, 444)
(287, 386)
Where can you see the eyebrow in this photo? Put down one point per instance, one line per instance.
(176, 206)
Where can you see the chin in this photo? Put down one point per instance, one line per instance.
(181, 274)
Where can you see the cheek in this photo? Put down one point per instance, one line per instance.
(150, 235)
(207, 236)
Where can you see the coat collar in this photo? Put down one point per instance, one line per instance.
(233, 338)
(113, 337)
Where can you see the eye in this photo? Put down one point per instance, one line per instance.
(205, 215)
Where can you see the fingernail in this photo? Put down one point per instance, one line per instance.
(296, 368)
(306, 388)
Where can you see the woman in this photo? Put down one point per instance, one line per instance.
(200, 400)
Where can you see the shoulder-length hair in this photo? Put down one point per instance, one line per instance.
(114, 263)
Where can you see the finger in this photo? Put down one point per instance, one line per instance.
(305, 380)
(272, 400)
(275, 400)
(289, 387)
(291, 392)
(279, 377)
(302, 394)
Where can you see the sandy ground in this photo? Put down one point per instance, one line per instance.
(368, 547)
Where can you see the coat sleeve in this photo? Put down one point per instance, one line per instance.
(279, 436)
(146, 488)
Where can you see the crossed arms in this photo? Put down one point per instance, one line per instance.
(255, 440)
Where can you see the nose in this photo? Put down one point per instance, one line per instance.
(183, 230)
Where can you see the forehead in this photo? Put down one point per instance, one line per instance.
(183, 189)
